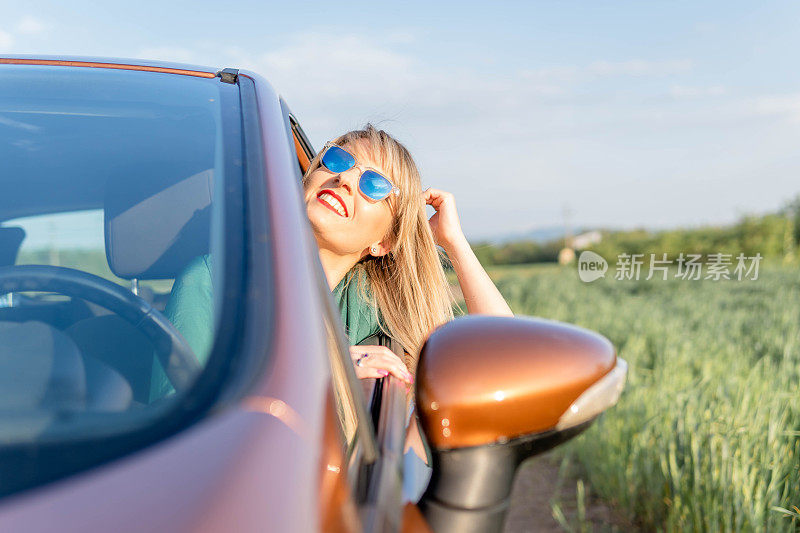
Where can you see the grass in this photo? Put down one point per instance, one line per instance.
(706, 436)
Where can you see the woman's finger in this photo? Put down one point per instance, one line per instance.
(380, 358)
(367, 372)
(436, 197)
(396, 367)
(397, 370)
(388, 354)
(392, 359)
(430, 195)
(358, 351)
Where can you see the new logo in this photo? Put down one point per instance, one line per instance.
(591, 266)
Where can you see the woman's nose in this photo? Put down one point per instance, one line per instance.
(348, 179)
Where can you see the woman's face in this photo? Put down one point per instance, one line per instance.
(343, 219)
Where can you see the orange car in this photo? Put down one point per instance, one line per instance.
(120, 179)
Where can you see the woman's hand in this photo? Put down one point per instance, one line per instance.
(480, 294)
(379, 362)
(444, 223)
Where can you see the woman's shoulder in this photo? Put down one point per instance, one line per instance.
(359, 311)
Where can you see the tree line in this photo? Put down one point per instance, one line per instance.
(776, 236)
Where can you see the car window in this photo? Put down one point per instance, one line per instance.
(111, 213)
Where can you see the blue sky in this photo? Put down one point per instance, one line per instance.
(628, 113)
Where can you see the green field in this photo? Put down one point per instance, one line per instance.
(706, 436)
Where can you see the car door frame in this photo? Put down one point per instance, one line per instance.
(379, 487)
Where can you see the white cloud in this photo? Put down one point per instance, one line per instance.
(567, 74)
(685, 91)
(6, 41)
(29, 25)
(337, 76)
(543, 131)
(169, 53)
(555, 80)
(639, 67)
(342, 66)
(401, 37)
(787, 106)
(563, 73)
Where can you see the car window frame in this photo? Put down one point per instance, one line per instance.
(364, 450)
(375, 476)
(303, 147)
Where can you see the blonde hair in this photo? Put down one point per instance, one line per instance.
(408, 284)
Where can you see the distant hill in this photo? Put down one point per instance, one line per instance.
(540, 235)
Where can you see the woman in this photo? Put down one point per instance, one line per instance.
(378, 251)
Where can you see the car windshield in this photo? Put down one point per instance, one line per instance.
(111, 217)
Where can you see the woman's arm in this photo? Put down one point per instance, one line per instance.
(480, 294)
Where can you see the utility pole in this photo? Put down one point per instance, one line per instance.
(567, 213)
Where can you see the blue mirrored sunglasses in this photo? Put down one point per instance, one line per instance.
(372, 184)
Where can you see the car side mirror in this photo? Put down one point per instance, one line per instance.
(493, 391)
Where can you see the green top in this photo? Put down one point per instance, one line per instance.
(359, 318)
(190, 309)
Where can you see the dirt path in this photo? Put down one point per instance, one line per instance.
(535, 488)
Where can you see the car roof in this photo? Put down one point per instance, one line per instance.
(109, 62)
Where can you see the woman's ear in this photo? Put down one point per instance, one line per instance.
(379, 249)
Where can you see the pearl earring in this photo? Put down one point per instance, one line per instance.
(374, 250)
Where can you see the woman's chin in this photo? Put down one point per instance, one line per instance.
(326, 228)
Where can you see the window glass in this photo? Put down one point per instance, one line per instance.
(110, 192)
